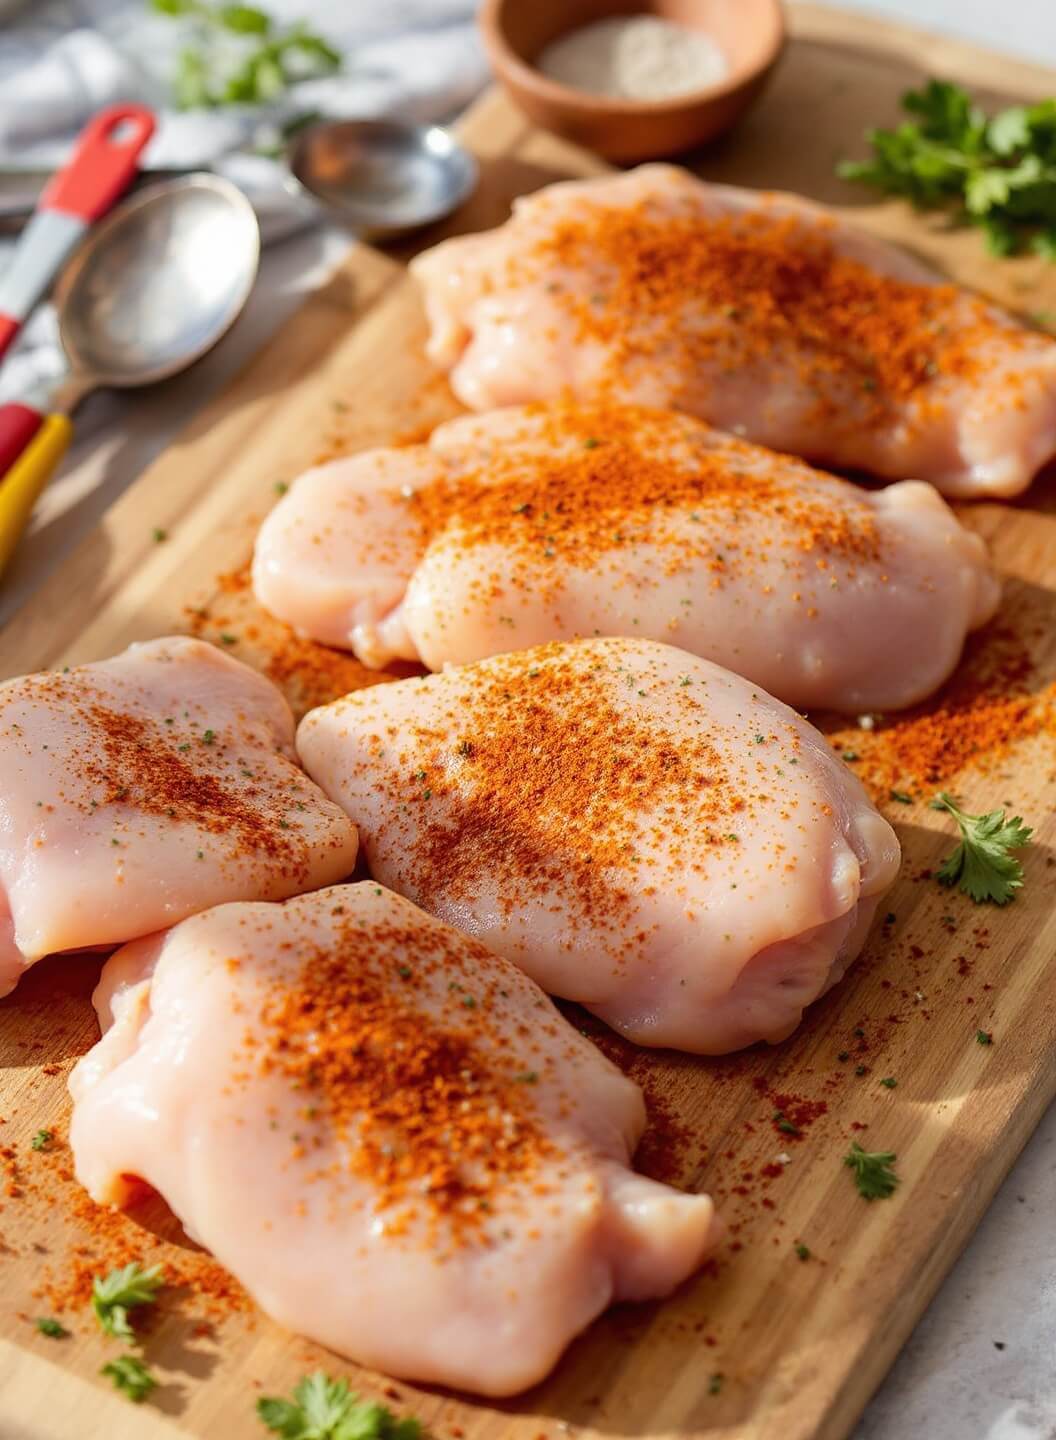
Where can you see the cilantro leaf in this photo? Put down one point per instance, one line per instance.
(946, 113)
(244, 19)
(873, 1175)
(131, 1376)
(325, 1409)
(1044, 243)
(121, 1291)
(998, 173)
(982, 865)
(1009, 130)
(242, 56)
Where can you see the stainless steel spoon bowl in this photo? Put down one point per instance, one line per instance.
(385, 178)
(157, 284)
(149, 292)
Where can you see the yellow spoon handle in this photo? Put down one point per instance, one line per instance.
(22, 484)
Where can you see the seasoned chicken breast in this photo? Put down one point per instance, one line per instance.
(636, 828)
(528, 525)
(437, 1161)
(758, 312)
(140, 789)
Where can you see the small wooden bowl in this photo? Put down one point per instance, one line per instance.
(750, 34)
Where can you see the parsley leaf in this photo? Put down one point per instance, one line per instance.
(41, 1139)
(131, 1376)
(873, 1174)
(981, 864)
(121, 1291)
(242, 55)
(996, 172)
(50, 1327)
(325, 1409)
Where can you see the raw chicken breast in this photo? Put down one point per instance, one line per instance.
(437, 1161)
(140, 789)
(759, 312)
(529, 525)
(638, 829)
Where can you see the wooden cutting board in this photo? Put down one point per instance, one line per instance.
(765, 1344)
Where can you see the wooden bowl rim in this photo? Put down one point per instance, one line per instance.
(503, 54)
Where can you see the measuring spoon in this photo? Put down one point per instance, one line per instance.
(153, 288)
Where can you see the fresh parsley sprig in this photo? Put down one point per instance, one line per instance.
(982, 865)
(997, 172)
(121, 1291)
(325, 1409)
(130, 1376)
(270, 59)
(873, 1173)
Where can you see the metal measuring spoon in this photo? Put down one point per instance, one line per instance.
(151, 289)
(384, 178)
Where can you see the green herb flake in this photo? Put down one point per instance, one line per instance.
(873, 1173)
(42, 1139)
(889, 1082)
(131, 1377)
(124, 1289)
(997, 172)
(982, 865)
(802, 1251)
(50, 1327)
(901, 797)
(325, 1409)
(984, 1037)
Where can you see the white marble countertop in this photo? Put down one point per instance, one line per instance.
(981, 1363)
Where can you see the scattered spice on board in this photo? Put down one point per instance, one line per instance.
(308, 673)
(994, 700)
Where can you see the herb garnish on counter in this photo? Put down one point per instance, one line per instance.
(273, 57)
(982, 864)
(131, 1376)
(873, 1175)
(121, 1291)
(325, 1409)
(998, 172)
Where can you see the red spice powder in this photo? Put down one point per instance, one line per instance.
(672, 285)
(428, 1106)
(993, 701)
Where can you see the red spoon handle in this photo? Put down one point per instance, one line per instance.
(18, 424)
(104, 162)
(10, 325)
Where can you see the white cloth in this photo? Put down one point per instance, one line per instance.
(61, 61)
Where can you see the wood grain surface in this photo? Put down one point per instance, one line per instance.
(764, 1344)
